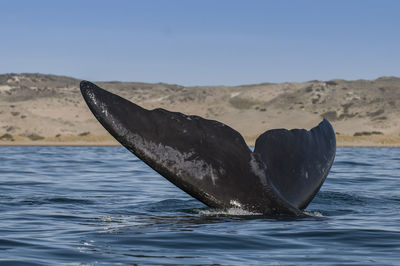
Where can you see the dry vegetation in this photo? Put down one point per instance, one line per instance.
(48, 109)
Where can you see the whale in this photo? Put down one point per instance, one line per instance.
(211, 162)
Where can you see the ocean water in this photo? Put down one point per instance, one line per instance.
(103, 206)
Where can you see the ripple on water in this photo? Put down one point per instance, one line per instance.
(101, 205)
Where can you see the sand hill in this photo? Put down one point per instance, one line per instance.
(47, 109)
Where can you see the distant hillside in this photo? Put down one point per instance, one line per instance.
(49, 108)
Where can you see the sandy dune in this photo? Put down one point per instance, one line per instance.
(38, 109)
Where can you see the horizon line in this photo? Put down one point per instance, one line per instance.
(219, 85)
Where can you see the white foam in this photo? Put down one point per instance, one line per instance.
(227, 212)
(313, 213)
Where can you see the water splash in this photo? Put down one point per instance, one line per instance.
(313, 213)
(228, 212)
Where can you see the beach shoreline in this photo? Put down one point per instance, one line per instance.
(106, 140)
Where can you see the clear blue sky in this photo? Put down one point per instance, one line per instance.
(201, 42)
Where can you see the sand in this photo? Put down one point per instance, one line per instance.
(37, 109)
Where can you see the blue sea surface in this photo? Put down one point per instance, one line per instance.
(103, 206)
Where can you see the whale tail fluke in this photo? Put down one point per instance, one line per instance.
(211, 161)
(298, 160)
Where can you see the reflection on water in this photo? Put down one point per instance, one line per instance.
(101, 205)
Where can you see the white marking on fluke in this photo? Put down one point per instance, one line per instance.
(257, 170)
(182, 164)
(236, 203)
